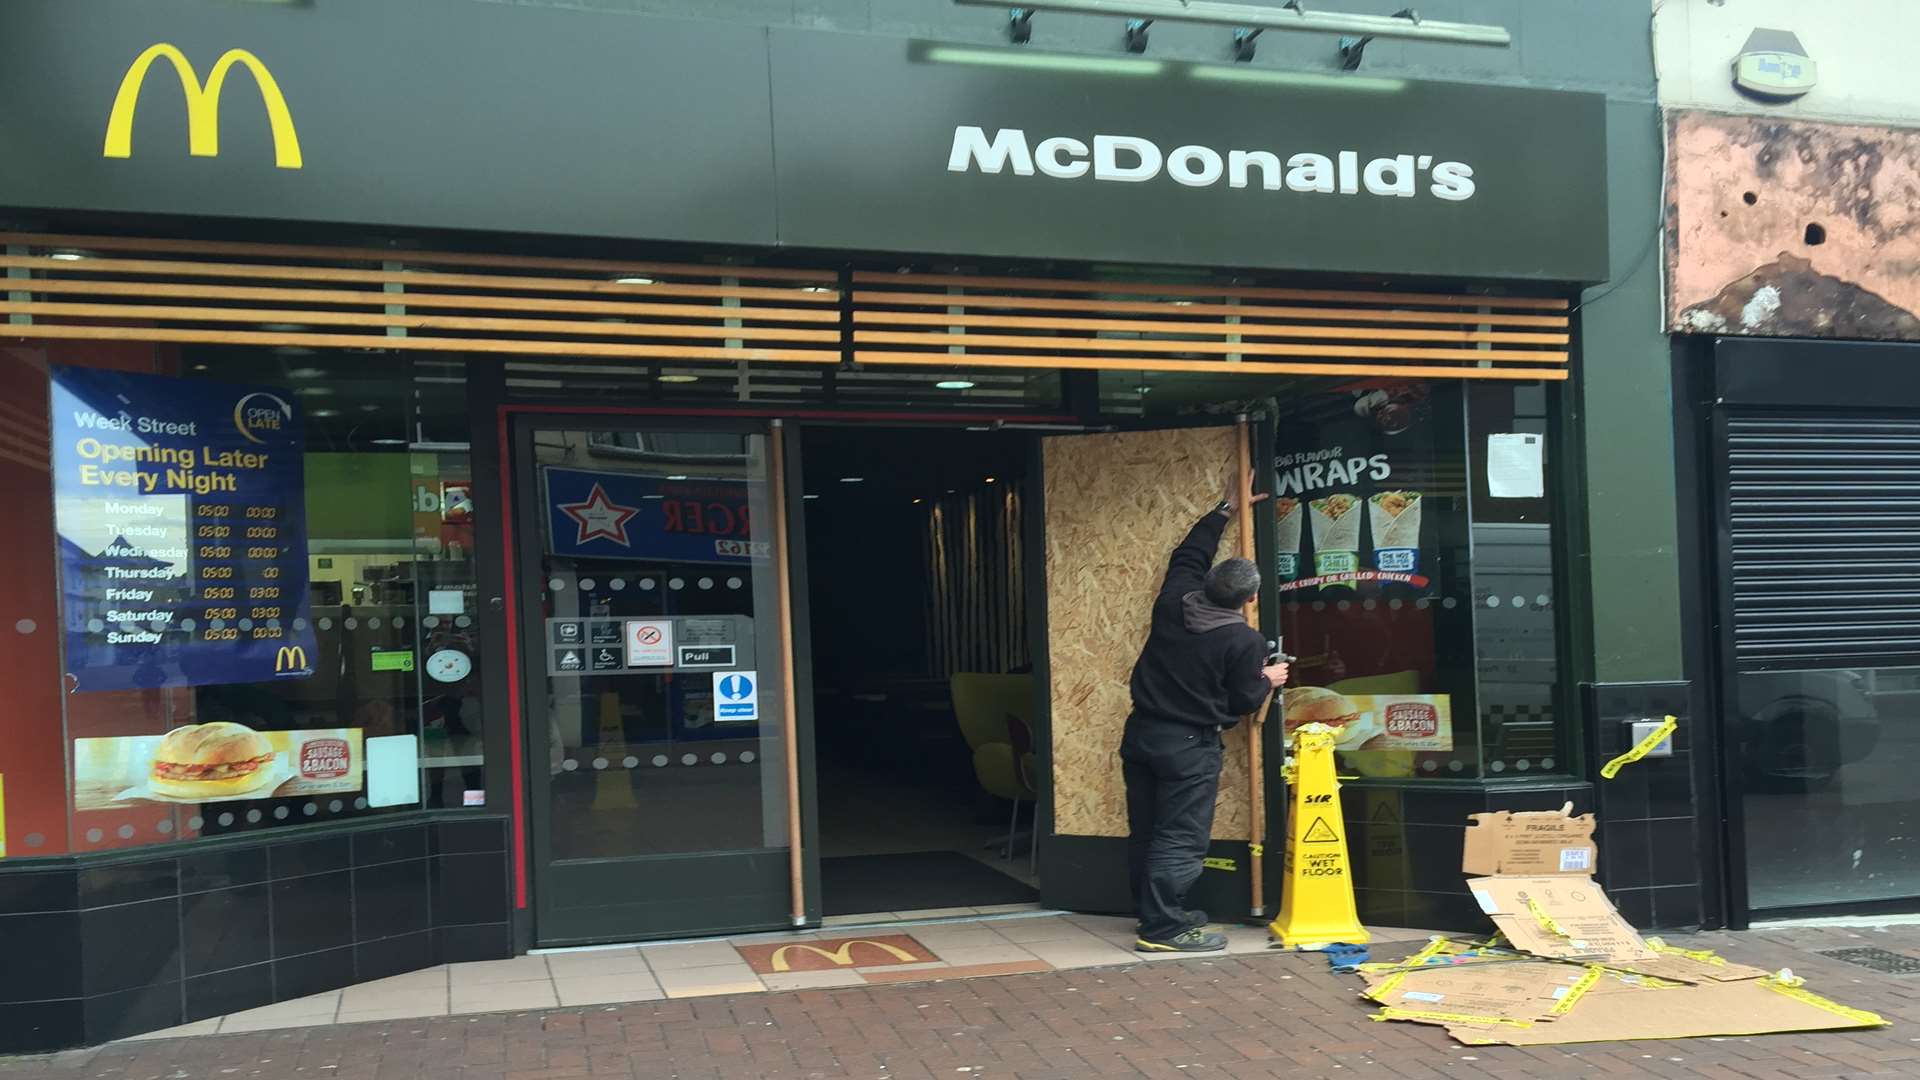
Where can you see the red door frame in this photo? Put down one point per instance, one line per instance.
(515, 715)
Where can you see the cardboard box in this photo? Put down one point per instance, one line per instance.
(1531, 843)
(1571, 969)
(1537, 886)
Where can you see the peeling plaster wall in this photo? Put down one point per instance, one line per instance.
(1792, 228)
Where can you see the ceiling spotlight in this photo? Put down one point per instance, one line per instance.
(852, 479)
(325, 412)
(954, 384)
(305, 373)
(199, 367)
(809, 496)
(1404, 25)
(634, 280)
(816, 289)
(315, 391)
(990, 479)
(387, 442)
(679, 378)
(678, 476)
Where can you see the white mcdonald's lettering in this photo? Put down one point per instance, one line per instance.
(203, 105)
(842, 956)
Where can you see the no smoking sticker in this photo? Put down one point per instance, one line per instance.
(649, 643)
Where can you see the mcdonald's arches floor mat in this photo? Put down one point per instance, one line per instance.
(829, 954)
(915, 881)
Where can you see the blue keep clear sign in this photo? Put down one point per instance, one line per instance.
(736, 696)
(181, 511)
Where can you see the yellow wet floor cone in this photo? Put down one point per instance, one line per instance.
(1317, 909)
(613, 788)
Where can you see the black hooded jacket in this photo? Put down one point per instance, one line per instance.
(1201, 664)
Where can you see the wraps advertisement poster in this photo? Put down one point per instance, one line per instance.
(618, 515)
(181, 512)
(1352, 473)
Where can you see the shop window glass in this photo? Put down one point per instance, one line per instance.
(268, 587)
(1826, 766)
(1391, 552)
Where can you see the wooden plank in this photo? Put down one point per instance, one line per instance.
(1145, 288)
(419, 344)
(1211, 329)
(1165, 308)
(296, 316)
(383, 300)
(242, 271)
(1247, 348)
(412, 258)
(1210, 367)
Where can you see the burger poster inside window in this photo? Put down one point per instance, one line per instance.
(213, 762)
(1366, 722)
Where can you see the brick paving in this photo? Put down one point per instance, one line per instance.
(1256, 1015)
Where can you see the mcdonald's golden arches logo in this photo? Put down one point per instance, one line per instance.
(203, 105)
(289, 658)
(842, 956)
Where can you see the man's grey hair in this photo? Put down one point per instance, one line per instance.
(1231, 583)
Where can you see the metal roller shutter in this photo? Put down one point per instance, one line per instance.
(1823, 533)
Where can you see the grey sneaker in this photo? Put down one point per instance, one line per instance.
(1195, 940)
(1196, 919)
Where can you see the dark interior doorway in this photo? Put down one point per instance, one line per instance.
(921, 667)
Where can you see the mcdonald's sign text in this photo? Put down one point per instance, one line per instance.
(290, 659)
(203, 104)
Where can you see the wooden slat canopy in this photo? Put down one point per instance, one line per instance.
(952, 321)
(221, 292)
(224, 293)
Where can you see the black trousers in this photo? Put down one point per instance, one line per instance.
(1172, 773)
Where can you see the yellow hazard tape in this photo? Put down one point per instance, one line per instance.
(1641, 749)
(1545, 920)
(1433, 949)
(1704, 956)
(1572, 997)
(1792, 986)
(1448, 1018)
(1651, 982)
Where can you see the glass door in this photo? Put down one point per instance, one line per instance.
(651, 664)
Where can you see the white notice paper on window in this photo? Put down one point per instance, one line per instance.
(1514, 466)
(393, 770)
(446, 602)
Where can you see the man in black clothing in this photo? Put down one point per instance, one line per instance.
(1203, 667)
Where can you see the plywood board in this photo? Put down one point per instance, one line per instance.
(1116, 504)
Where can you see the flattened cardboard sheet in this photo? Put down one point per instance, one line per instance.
(1563, 916)
(1522, 990)
(1747, 1007)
